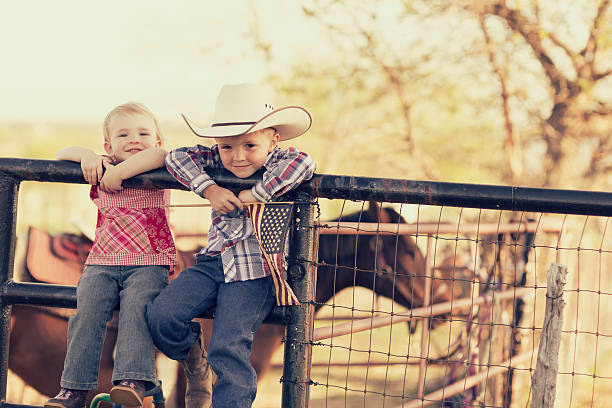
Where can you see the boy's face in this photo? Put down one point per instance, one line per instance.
(130, 134)
(245, 154)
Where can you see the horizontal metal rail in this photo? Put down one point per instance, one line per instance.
(44, 294)
(421, 228)
(511, 198)
(360, 325)
(484, 196)
(466, 383)
(372, 228)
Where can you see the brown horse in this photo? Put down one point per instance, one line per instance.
(390, 265)
(38, 348)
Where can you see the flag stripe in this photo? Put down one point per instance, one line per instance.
(284, 294)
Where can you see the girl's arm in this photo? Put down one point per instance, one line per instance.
(91, 162)
(75, 153)
(141, 162)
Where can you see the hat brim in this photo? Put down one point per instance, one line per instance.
(290, 122)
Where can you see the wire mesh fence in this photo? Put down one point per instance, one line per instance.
(438, 306)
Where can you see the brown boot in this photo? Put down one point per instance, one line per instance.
(199, 376)
(129, 393)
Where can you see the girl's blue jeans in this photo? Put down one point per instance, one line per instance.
(240, 308)
(100, 289)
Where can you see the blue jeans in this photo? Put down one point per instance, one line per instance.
(240, 309)
(99, 290)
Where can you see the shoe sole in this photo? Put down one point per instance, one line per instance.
(125, 396)
(54, 405)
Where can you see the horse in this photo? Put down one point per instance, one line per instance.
(391, 266)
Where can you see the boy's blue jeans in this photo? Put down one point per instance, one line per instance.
(99, 290)
(240, 309)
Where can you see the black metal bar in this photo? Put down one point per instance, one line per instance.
(8, 208)
(44, 294)
(69, 172)
(40, 294)
(462, 195)
(298, 347)
(9, 405)
(360, 188)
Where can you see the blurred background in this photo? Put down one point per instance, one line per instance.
(494, 92)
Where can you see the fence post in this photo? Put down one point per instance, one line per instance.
(8, 207)
(544, 382)
(301, 277)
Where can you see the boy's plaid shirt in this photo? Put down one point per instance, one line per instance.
(231, 235)
(132, 228)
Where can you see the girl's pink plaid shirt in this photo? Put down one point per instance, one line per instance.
(132, 228)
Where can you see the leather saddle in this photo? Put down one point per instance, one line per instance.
(57, 259)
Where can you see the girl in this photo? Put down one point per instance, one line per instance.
(129, 263)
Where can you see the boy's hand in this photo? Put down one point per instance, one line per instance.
(247, 197)
(221, 199)
(111, 181)
(91, 165)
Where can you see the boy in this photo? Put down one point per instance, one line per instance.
(230, 273)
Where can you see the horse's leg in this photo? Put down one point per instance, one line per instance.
(37, 348)
(266, 341)
(177, 397)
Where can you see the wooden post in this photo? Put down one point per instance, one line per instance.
(425, 322)
(544, 382)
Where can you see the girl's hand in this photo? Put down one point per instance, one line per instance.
(247, 197)
(91, 165)
(111, 182)
(221, 199)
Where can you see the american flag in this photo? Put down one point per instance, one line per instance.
(271, 224)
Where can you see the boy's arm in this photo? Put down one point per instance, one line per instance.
(91, 162)
(143, 161)
(285, 169)
(187, 165)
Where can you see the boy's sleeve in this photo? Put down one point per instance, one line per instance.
(285, 169)
(186, 164)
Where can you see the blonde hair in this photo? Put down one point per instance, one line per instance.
(130, 108)
(264, 132)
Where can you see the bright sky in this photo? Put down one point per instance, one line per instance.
(75, 60)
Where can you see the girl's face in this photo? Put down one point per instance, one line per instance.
(130, 134)
(245, 154)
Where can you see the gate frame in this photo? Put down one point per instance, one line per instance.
(296, 367)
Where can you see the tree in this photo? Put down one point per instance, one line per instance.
(488, 91)
(576, 68)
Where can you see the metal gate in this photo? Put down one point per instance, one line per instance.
(296, 378)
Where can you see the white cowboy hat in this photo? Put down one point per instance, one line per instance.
(246, 108)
